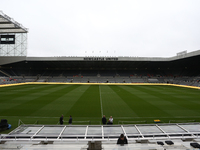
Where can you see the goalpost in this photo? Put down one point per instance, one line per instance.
(20, 122)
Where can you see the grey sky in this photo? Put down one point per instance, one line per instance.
(144, 28)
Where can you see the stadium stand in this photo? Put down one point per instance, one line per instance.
(122, 70)
(150, 70)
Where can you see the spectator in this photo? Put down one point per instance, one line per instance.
(122, 140)
(104, 120)
(61, 120)
(110, 120)
(70, 119)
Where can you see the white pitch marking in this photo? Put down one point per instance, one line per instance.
(101, 101)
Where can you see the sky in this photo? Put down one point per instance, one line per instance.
(136, 28)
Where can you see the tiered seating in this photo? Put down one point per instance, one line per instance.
(29, 79)
(106, 79)
(77, 79)
(57, 79)
(153, 80)
(137, 79)
(10, 76)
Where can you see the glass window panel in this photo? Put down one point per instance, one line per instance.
(26, 130)
(131, 130)
(112, 131)
(74, 131)
(94, 131)
(51, 130)
(172, 129)
(191, 128)
(149, 130)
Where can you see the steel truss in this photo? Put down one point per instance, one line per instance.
(17, 49)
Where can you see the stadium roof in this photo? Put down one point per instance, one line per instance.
(9, 25)
(187, 63)
(13, 59)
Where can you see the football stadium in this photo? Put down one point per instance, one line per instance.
(154, 101)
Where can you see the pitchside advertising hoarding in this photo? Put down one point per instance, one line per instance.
(7, 39)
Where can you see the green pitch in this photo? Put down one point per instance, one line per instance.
(44, 104)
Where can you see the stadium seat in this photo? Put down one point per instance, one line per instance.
(169, 142)
(160, 143)
(195, 145)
